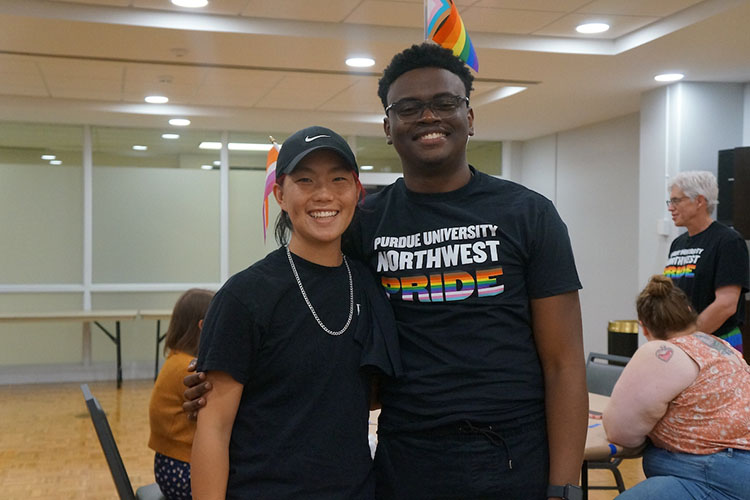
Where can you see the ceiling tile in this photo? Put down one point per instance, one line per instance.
(20, 85)
(387, 13)
(619, 25)
(544, 5)
(480, 88)
(115, 3)
(162, 74)
(18, 65)
(321, 83)
(362, 97)
(108, 56)
(662, 8)
(332, 11)
(292, 98)
(229, 95)
(506, 20)
(85, 88)
(77, 68)
(250, 78)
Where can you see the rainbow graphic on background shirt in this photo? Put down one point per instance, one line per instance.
(675, 272)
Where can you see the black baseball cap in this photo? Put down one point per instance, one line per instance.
(305, 141)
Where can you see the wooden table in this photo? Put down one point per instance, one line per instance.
(82, 317)
(158, 315)
(598, 448)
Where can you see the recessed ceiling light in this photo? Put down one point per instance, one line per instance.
(190, 4)
(236, 146)
(170, 136)
(366, 167)
(156, 99)
(179, 122)
(669, 77)
(207, 167)
(48, 157)
(592, 28)
(360, 62)
(217, 163)
(139, 147)
(55, 162)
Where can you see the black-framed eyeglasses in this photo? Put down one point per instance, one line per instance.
(674, 201)
(442, 106)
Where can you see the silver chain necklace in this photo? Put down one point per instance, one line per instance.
(309, 304)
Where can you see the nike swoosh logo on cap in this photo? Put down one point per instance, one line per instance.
(310, 139)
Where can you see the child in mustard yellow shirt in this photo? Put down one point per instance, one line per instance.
(171, 431)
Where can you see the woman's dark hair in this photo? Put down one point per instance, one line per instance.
(663, 308)
(183, 333)
(282, 228)
(425, 55)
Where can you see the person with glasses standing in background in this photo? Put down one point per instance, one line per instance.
(481, 277)
(709, 262)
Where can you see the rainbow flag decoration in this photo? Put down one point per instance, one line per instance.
(273, 155)
(443, 24)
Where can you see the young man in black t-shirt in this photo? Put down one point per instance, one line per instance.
(481, 277)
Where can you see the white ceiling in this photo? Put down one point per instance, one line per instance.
(278, 65)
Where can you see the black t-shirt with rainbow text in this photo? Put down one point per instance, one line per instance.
(699, 264)
(460, 269)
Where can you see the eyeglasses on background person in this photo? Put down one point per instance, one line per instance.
(674, 201)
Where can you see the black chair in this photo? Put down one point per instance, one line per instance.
(602, 372)
(112, 454)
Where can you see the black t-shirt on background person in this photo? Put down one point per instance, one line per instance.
(460, 269)
(711, 259)
(302, 423)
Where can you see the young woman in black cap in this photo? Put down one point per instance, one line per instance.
(290, 343)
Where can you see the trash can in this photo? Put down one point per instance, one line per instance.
(622, 337)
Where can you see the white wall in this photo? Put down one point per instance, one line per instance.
(155, 225)
(150, 226)
(654, 223)
(512, 162)
(40, 237)
(539, 166)
(710, 117)
(592, 175)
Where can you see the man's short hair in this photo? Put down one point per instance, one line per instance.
(425, 55)
(698, 182)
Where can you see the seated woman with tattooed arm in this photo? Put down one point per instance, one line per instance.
(689, 394)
